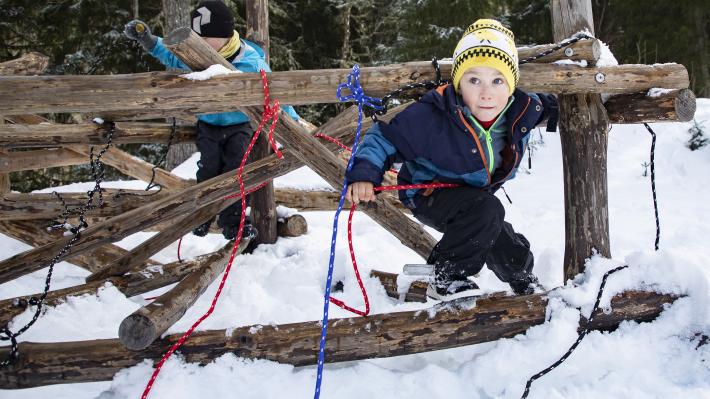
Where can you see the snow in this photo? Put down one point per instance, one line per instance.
(284, 283)
(657, 92)
(213, 70)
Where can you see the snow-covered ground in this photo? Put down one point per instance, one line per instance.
(284, 283)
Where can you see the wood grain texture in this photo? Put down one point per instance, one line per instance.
(466, 321)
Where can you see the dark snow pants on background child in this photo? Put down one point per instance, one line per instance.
(474, 233)
(221, 150)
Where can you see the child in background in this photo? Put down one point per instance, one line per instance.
(472, 132)
(222, 138)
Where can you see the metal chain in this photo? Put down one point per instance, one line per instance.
(562, 44)
(431, 84)
(653, 183)
(162, 159)
(581, 336)
(97, 170)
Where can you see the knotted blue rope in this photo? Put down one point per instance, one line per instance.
(357, 95)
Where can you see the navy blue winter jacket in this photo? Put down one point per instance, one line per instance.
(435, 142)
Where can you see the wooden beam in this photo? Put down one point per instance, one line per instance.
(17, 161)
(33, 206)
(187, 200)
(61, 135)
(162, 91)
(583, 127)
(263, 205)
(138, 168)
(466, 321)
(131, 284)
(415, 293)
(155, 244)
(583, 50)
(29, 64)
(34, 233)
(669, 106)
(138, 330)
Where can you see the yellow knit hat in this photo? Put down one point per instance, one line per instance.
(487, 43)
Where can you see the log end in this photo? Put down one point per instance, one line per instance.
(685, 105)
(293, 226)
(137, 332)
(177, 36)
(596, 52)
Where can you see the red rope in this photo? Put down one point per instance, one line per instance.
(178, 251)
(342, 304)
(271, 113)
(332, 140)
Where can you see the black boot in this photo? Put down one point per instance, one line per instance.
(248, 232)
(203, 229)
(523, 283)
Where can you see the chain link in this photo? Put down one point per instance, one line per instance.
(97, 170)
(562, 44)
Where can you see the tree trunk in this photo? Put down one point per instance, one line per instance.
(176, 14)
(263, 205)
(701, 14)
(583, 134)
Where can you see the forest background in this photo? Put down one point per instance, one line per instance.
(85, 37)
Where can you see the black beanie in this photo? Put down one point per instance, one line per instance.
(213, 19)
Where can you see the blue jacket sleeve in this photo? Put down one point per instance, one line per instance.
(373, 157)
(167, 58)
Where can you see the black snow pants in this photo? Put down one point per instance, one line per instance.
(474, 233)
(221, 150)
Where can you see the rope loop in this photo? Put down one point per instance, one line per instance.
(270, 113)
(357, 93)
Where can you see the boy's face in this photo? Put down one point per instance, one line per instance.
(216, 42)
(484, 91)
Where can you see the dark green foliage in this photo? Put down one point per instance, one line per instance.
(84, 36)
(697, 136)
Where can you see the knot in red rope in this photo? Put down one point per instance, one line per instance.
(270, 113)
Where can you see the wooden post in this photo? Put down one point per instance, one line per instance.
(263, 204)
(465, 321)
(4, 176)
(583, 133)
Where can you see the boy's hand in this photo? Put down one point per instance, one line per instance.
(360, 191)
(140, 32)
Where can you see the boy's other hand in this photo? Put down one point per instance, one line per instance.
(139, 31)
(360, 191)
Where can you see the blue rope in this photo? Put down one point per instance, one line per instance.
(357, 95)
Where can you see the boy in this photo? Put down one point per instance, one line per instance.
(222, 139)
(472, 132)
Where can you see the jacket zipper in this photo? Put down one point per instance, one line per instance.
(478, 144)
(512, 129)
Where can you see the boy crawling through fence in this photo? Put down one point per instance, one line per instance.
(472, 132)
(222, 138)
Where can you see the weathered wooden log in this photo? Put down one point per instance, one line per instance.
(292, 226)
(668, 106)
(583, 133)
(24, 206)
(34, 233)
(187, 200)
(60, 135)
(192, 49)
(145, 325)
(155, 244)
(138, 168)
(151, 278)
(162, 91)
(583, 50)
(465, 321)
(29, 64)
(39, 159)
